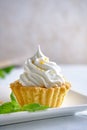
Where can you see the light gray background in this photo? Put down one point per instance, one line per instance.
(60, 27)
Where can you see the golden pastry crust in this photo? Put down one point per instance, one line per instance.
(52, 97)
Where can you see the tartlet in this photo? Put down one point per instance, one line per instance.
(41, 82)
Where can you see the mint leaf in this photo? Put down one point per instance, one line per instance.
(5, 71)
(8, 69)
(2, 74)
(6, 108)
(14, 102)
(13, 99)
(9, 107)
(34, 107)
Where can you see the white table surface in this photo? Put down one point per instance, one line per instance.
(78, 77)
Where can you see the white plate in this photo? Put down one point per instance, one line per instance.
(74, 102)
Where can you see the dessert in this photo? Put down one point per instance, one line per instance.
(41, 82)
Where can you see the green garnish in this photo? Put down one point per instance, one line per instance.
(6, 108)
(8, 69)
(13, 106)
(2, 74)
(34, 107)
(5, 71)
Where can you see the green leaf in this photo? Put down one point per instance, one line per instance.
(14, 102)
(8, 69)
(6, 108)
(10, 107)
(12, 97)
(2, 74)
(34, 107)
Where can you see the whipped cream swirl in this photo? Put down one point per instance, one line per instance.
(39, 71)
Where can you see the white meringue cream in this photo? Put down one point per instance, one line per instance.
(39, 71)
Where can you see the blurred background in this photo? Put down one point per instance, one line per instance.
(59, 27)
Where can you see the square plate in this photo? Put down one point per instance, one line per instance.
(74, 102)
